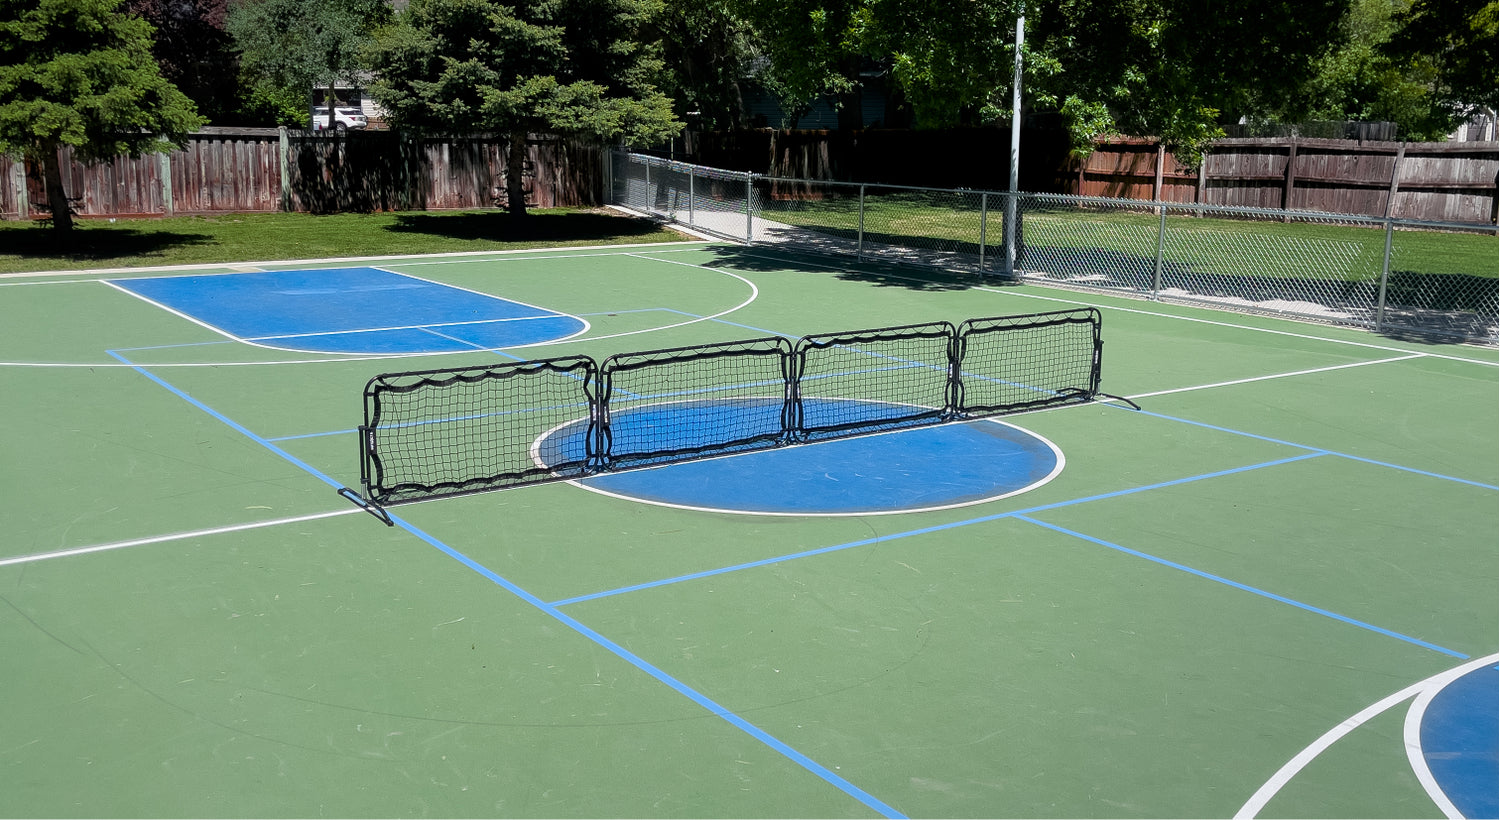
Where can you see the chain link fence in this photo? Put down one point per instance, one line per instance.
(1398, 277)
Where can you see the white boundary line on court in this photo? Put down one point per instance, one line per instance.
(229, 267)
(1294, 766)
(1411, 735)
(346, 358)
(1159, 314)
(1278, 376)
(259, 341)
(582, 483)
(157, 539)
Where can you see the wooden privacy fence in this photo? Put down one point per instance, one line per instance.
(1436, 181)
(223, 170)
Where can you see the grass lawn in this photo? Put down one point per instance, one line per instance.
(97, 243)
(1224, 246)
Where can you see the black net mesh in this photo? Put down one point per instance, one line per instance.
(450, 432)
(694, 401)
(1014, 363)
(872, 380)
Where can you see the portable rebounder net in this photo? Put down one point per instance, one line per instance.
(436, 433)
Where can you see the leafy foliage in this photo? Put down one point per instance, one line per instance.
(80, 73)
(287, 45)
(1454, 42)
(573, 67)
(709, 53)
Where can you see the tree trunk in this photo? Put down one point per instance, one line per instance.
(57, 197)
(515, 168)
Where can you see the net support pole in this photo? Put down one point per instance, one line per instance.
(1011, 202)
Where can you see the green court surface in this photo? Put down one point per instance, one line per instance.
(1228, 602)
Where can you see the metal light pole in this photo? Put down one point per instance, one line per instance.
(1011, 202)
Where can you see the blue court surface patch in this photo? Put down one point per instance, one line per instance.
(917, 469)
(353, 310)
(1460, 738)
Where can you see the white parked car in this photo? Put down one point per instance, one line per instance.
(343, 118)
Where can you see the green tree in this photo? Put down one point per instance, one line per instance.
(1178, 69)
(80, 73)
(815, 48)
(1452, 43)
(1173, 69)
(292, 46)
(709, 52)
(571, 67)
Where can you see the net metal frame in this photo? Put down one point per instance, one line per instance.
(999, 370)
(725, 394)
(471, 443)
(867, 380)
(521, 423)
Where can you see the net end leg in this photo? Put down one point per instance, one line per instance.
(368, 506)
(1113, 397)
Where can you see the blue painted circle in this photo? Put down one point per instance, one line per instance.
(921, 468)
(1460, 734)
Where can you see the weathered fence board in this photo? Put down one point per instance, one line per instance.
(265, 169)
(1434, 181)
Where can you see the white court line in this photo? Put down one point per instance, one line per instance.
(222, 266)
(1294, 766)
(1109, 306)
(349, 357)
(157, 539)
(1277, 376)
(1411, 735)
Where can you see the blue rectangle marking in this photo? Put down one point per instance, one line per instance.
(351, 310)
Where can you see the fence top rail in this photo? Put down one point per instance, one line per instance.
(1115, 202)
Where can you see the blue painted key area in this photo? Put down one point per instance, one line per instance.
(353, 310)
(906, 471)
(1460, 736)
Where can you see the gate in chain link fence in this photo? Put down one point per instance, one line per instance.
(1388, 275)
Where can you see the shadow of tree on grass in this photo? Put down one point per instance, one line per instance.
(93, 245)
(536, 226)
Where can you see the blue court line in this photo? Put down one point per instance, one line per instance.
(313, 435)
(733, 719)
(1023, 515)
(1244, 587)
(923, 531)
(1318, 450)
(683, 689)
(234, 425)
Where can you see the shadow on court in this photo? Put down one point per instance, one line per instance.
(910, 277)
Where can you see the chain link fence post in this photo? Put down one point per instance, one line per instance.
(984, 202)
(1385, 276)
(1161, 248)
(859, 249)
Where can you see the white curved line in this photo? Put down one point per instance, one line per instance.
(1285, 774)
(754, 294)
(1056, 470)
(1412, 736)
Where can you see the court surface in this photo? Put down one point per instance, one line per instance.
(1270, 591)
